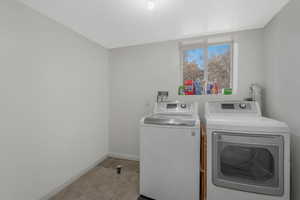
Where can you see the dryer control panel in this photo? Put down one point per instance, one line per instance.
(233, 108)
(236, 106)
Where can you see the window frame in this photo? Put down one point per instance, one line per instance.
(205, 44)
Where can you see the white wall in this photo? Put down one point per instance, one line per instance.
(282, 65)
(53, 103)
(138, 72)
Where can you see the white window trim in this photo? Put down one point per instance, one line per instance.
(204, 44)
(235, 64)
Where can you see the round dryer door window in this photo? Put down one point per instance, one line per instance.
(248, 162)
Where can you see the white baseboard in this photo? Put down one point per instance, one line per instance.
(123, 156)
(71, 180)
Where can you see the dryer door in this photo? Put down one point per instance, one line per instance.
(248, 162)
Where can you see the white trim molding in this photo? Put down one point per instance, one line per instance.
(123, 156)
(72, 179)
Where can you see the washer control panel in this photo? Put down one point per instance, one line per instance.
(176, 107)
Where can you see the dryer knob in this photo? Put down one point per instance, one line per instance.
(183, 106)
(243, 105)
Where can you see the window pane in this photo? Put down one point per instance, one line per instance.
(193, 64)
(219, 65)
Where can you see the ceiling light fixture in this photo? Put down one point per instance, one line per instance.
(150, 4)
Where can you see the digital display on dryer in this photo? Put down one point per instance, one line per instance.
(171, 106)
(229, 106)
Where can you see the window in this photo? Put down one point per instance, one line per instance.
(207, 68)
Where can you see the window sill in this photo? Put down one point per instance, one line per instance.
(208, 95)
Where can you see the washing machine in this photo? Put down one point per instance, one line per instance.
(248, 156)
(170, 152)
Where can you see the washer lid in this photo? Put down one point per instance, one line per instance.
(171, 120)
(260, 124)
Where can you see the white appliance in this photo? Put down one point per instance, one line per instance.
(248, 156)
(170, 152)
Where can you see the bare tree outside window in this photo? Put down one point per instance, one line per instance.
(193, 64)
(219, 65)
(209, 63)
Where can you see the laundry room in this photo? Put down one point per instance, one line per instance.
(149, 99)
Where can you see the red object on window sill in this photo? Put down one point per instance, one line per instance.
(189, 87)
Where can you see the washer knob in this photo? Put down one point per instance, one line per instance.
(183, 106)
(243, 105)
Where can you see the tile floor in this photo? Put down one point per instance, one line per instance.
(104, 183)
